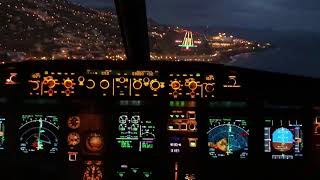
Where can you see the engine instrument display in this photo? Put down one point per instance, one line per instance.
(93, 170)
(283, 139)
(228, 138)
(73, 139)
(316, 133)
(95, 142)
(135, 132)
(39, 133)
(2, 132)
(74, 122)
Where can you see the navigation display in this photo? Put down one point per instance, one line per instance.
(2, 132)
(135, 132)
(39, 133)
(228, 138)
(283, 139)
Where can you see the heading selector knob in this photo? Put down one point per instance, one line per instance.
(175, 85)
(193, 85)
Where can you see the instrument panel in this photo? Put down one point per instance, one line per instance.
(152, 123)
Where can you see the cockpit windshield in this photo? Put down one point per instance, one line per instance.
(273, 35)
(59, 30)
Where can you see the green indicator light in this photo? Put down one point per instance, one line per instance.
(177, 103)
(134, 170)
(125, 144)
(182, 104)
(198, 75)
(147, 146)
(121, 174)
(171, 104)
(147, 174)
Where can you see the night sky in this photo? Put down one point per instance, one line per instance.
(259, 14)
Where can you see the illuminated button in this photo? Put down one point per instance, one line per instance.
(72, 156)
(175, 94)
(68, 92)
(137, 84)
(122, 80)
(175, 85)
(193, 142)
(193, 85)
(209, 87)
(50, 92)
(155, 85)
(90, 84)
(68, 83)
(104, 84)
(81, 80)
(51, 83)
(146, 80)
(192, 127)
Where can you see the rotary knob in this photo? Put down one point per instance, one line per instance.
(51, 83)
(155, 85)
(90, 84)
(209, 87)
(137, 84)
(193, 85)
(104, 84)
(34, 84)
(175, 85)
(122, 80)
(68, 83)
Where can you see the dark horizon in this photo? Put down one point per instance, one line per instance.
(278, 15)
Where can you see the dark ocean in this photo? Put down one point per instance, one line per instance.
(296, 53)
